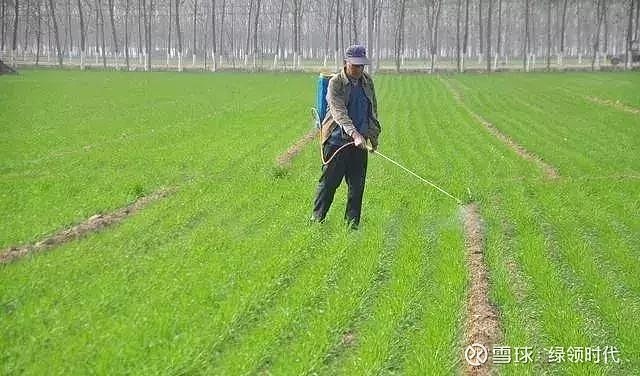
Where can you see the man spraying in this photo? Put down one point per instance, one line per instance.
(351, 121)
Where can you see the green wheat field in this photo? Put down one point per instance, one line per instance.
(226, 276)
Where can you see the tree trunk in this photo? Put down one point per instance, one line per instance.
(337, 45)
(488, 53)
(140, 48)
(179, 35)
(605, 22)
(458, 17)
(480, 32)
(52, 12)
(126, 34)
(525, 39)
(14, 44)
(3, 26)
(465, 40)
(578, 32)
(220, 50)
(399, 45)
(255, 35)
(563, 24)
(82, 35)
(354, 22)
(214, 60)
(434, 39)
(104, 56)
(39, 31)
(97, 34)
(169, 34)
(596, 37)
(26, 29)
(499, 39)
(246, 46)
(628, 60)
(370, 22)
(70, 28)
(149, 36)
(194, 51)
(636, 35)
(548, 35)
(113, 32)
(277, 54)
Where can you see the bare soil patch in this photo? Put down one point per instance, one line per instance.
(483, 323)
(92, 224)
(285, 158)
(614, 104)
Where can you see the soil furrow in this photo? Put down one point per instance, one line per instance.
(285, 158)
(483, 326)
(90, 225)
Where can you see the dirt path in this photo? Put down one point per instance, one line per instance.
(550, 172)
(482, 324)
(285, 158)
(92, 224)
(614, 104)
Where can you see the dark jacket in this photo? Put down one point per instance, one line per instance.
(338, 94)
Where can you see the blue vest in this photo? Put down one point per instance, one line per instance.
(358, 109)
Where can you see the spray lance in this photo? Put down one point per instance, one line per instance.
(320, 111)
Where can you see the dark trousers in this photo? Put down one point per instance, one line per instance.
(351, 164)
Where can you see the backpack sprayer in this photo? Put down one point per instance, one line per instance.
(319, 113)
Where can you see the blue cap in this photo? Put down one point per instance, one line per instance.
(356, 54)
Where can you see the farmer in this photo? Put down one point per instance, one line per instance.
(352, 118)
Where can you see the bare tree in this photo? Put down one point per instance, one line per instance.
(38, 29)
(297, 20)
(255, 35)
(213, 36)
(102, 39)
(399, 34)
(278, 52)
(499, 39)
(596, 37)
(628, 60)
(246, 46)
(3, 26)
(458, 20)
(140, 49)
(337, 45)
(113, 32)
(14, 44)
(82, 35)
(194, 46)
(636, 35)
(52, 14)
(354, 22)
(179, 35)
(126, 34)
(145, 18)
(434, 19)
(169, 34)
(149, 35)
(488, 54)
(465, 40)
(26, 29)
(549, 35)
(220, 50)
(525, 38)
(480, 32)
(563, 27)
(69, 28)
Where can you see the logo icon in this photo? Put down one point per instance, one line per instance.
(476, 354)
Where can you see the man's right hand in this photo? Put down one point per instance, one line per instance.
(358, 140)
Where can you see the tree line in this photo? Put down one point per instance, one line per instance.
(275, 34)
